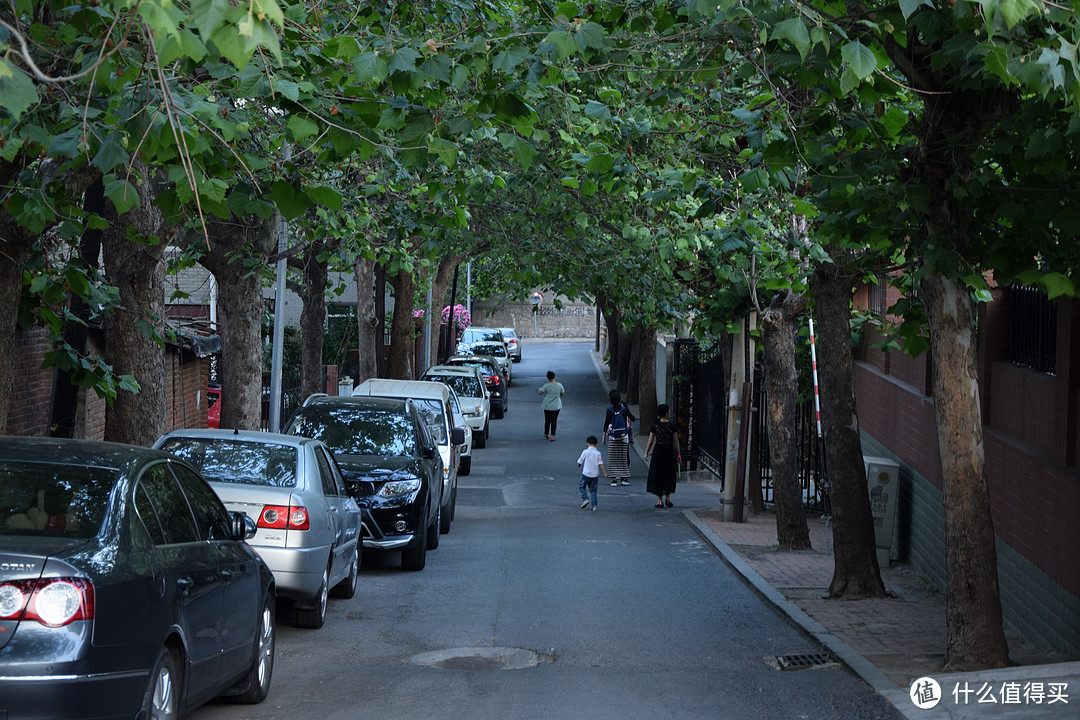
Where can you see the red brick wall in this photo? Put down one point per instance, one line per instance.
(31, 391)
(185, 390)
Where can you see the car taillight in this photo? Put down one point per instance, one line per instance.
(281, 517)
(53, 602)
(494, 379)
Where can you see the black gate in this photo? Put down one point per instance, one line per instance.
(810, 463)
(700, 374)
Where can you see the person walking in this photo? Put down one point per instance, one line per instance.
(663, 445)
(592, 464)
(618, 434)
(551, 404)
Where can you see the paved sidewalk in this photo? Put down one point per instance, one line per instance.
(889, 642)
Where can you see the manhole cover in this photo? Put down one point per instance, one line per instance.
(803, 661)
(476, 658)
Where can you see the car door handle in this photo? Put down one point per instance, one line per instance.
(185, 584)
(227, 574)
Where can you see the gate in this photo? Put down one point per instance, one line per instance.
(701, 403)
(809, 462)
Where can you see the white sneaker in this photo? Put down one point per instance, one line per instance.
(614, 484)
(584, 504)
(594, 508)
(624, 482)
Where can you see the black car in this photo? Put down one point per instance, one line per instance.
(493, 378)
(391, 467)
(126, 587)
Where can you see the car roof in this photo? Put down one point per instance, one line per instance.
(464, 358)
(251, 436)
(68, 451)
(425, 389)
(368, 401)
(451, 370)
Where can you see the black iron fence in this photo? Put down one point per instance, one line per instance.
(1032, 319)
(809, 451)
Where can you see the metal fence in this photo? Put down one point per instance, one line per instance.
(810, 461)
(1032, 319)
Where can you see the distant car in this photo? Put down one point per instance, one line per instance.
(391, 465)
(126, 587)
(494, 379)
(497, 351)
(476, 333)
(468, 383)
(513, 343)
(308, 526)
(213, 411)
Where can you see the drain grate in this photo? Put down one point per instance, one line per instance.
(803, 661)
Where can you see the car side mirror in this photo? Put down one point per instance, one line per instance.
(458, 436)
(243, 527)
(428, 451)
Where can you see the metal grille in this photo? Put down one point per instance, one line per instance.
(710, 409)
(810, 463)
(1032, 328)
(805, 661)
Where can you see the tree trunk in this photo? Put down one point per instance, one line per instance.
(312, 292)
(15, 246)
(855, 568)
(402, 328)
(647, 383)
(439, 286)
(634, 371)
(975, 636)
(137, 269)
(626, 350)
(611, 321)
(369, 339)
(778, 340)
(237, 251)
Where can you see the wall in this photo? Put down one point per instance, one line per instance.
(571, 320)
(1029, 439)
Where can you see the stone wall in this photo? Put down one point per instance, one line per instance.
(570, 320)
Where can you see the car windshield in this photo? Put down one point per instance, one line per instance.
(485, 367)
(354, 430)
(53, 500)
(464, 385)
(496, 349)
(432, 411)
(238, 461)
(478, 335)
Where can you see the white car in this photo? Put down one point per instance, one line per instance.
(465, 448)
(513, 343)
(472, 392)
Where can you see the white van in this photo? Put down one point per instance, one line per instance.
(433, 401)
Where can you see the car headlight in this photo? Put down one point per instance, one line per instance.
(473, 412)
(397, 488)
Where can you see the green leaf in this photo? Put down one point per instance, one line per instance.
(793, 30)
(404, 60)
(563, 42)
(289, 199)
(123, 194)
(755, 179)
(445, 150)
(860, 58)
(600, 163)
(1058, 285)
(589, 35)
(597, 110)
(111, 154)
(302, 127)
(326, 196)
(908, 7)
(209, 15)
(370, 67)
(17, 91)
(231, 46)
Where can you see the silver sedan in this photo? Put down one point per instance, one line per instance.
(308, 528)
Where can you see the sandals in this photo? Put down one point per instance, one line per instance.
(670, 504)
(659, 505)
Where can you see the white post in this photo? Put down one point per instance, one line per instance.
(274, 421)
(731, 459)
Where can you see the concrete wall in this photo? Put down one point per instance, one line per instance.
(571, 320)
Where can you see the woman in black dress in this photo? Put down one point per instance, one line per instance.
(663, 445)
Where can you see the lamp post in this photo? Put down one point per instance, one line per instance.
(535, 299)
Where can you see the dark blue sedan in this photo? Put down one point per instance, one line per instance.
(126, 587)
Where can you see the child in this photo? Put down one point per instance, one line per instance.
(592, 464)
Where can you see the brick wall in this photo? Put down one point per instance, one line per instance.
(1031, 441)
(185, 389)
(571, 320)
(31, 391)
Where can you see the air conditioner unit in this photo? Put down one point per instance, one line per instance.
(883, 484)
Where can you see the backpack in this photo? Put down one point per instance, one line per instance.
(618, 423)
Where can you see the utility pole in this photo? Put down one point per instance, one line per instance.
(274, 422)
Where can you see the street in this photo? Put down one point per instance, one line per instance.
(534, 608)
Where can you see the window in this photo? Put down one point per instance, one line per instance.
(329, 488)
(211, 517)
(166, 502)
(1032, 318)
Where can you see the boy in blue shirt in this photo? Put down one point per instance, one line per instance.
(592, 464)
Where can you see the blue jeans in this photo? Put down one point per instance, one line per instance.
(590, 484)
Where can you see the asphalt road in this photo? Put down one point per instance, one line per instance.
(533, 608)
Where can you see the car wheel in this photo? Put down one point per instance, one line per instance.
(453, 501)
(465, 466)
(498, 411)
(347, 587)
(257, 684)
(314, 617)
(447, 514)
(415, 558)
(479, 439)
(433, 530)
(162, 699)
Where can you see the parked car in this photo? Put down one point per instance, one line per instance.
(468, 383)
(493, 379)
(497, 351)
(308, 528)
(465, 449)
(126, 587)
(391, 465)
(513, 343)
(476, 333)
(433, 401)
(213, 405)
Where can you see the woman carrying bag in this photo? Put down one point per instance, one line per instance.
(618, 434)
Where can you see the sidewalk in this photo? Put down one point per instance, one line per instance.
(888, 642)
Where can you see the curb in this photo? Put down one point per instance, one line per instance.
(841, 650)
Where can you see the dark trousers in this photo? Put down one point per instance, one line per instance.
(551, 421)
